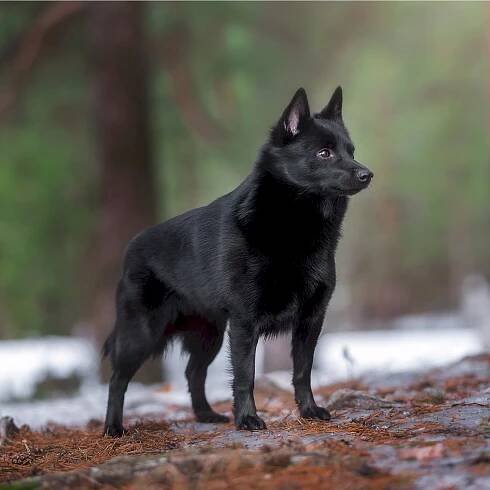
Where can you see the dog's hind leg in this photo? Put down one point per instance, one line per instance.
(130, 345)
(127, 357)
(121, 376)
(203, 344)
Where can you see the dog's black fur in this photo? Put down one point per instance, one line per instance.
(260, 258)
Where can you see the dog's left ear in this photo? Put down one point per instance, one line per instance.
(293, 119)
(333, 110)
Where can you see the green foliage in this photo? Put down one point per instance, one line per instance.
(415, 101)
(46, 180)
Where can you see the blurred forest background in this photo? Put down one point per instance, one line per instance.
(114, 116)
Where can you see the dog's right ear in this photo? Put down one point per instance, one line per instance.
(333, 110)
(293, 119)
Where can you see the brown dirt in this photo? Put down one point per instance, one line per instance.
(32, 453)
(435, 435)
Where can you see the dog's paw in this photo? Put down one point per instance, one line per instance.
(315, 412)
(250, 422)
(114, 430)
(211, 418)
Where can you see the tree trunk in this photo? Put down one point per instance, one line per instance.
(127, 198)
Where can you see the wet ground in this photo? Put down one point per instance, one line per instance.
(427, 430)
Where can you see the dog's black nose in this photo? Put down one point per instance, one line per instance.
(364, 175)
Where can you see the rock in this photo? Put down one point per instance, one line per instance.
(347, 398)
(423, 453)
(432, 395)
(7, 429)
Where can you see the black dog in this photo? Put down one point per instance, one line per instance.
(260, 258)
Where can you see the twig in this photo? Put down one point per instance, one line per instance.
(30, 46)
(182, 91)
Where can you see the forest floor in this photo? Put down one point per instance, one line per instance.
(427, 429)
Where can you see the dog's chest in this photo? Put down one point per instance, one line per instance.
(288, 251)
(285, 285)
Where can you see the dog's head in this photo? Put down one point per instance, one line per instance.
(315, 152)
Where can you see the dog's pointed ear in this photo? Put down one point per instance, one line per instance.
(293, 119)
(333, 110)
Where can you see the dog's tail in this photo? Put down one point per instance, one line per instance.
(108, 346)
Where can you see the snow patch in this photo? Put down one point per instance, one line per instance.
(25, 363)
(338, 356)
(350, 354)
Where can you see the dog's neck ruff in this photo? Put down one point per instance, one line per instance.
(272, 211)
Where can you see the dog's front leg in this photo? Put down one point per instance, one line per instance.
(304, 340)
(243, 342)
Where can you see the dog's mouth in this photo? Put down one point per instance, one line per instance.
(349, 191)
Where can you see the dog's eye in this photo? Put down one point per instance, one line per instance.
(325, 153)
